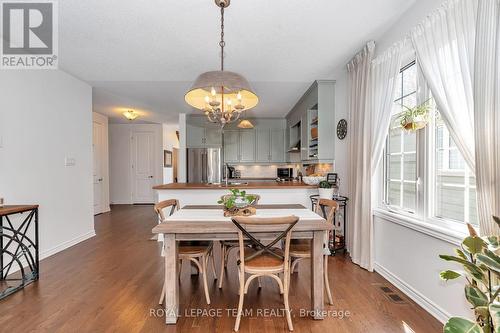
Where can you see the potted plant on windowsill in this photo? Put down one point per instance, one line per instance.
(325, 190)
(481, 264)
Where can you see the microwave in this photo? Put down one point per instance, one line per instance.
(284, 173)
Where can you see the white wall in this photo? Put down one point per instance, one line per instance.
(406, 257)
(170, 141)
(45, 117)
(120, 186)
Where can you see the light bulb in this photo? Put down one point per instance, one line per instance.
(239, 96)
(229, 102)
(213, 91)
(207, 99)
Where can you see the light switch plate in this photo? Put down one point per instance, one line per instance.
(69, 161)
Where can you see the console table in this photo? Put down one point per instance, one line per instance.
(19, 262)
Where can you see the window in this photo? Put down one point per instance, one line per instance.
(401, 148)
(454, 184)
(425, 174)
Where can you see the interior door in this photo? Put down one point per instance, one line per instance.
(143, 166)
(97, 141)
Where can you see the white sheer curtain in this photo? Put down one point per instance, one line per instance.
(385, 70)
(444, 44)
(487, 114)
(360, 231)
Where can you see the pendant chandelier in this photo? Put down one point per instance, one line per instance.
(221, 95)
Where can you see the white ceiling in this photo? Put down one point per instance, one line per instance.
(145, 54)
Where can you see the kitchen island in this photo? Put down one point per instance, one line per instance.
(289, 192)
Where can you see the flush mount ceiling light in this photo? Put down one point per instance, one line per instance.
(130, 114)
(221, 95)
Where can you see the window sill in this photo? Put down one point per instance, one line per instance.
(434, 228)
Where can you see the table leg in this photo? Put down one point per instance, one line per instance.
(317, 292)
(171, 284)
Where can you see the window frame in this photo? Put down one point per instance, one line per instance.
(423, 219)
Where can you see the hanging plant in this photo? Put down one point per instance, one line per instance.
(413, 119)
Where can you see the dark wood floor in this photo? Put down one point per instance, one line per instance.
(111, 283)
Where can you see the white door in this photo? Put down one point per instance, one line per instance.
(97, 143)
(143, 167)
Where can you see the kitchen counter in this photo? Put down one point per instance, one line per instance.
(250, 185)
(208, 194)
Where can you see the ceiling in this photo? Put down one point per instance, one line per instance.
(145, 55)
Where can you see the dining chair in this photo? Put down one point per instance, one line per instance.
(227, 246)
(301, 249)
(264, 260)
(197, 252)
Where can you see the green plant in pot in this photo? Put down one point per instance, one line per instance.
(325, 190)
(237, 200)
(415, 118)
(481, 270)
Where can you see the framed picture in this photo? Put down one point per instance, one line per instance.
(167, 159)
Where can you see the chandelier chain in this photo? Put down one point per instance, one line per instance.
(222, 43)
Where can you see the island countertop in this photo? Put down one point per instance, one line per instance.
(250, 185)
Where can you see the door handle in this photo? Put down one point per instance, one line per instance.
(99, 180)
(151, 177)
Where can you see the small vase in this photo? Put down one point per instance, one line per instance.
(326, 193)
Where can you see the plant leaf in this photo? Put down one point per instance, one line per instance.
(497, 220)
(469, 267)
(490, 260)
(449, 275)
(461, 254)
(461, 325)
(475, 296)
(495, 315)
(473, 245)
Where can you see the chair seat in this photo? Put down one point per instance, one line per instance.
(265, 262)
(194, 247)
(300, 248)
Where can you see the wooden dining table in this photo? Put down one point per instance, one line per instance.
(207, 222)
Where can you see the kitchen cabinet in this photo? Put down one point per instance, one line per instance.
(277, 145)
(316, 113)
(201, 137)
(263, 145)
(231, 146)
(247, 145)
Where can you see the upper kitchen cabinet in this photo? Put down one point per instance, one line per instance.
(231, 146)
(202, 135)
(315, 114)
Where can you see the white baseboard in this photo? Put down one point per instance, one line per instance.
(58, 248)
(67, 244)
(415, 295)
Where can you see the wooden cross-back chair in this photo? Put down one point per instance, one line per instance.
(301, 249)
(227, 246)
(197, 252)
(264, 260)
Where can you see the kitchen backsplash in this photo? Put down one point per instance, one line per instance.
(269, 171)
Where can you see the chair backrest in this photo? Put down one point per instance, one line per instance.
(288, 222)
(160, 206)
(321, 206)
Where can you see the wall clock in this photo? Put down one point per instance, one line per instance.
(342, 129)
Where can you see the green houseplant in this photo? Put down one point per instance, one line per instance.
(415, 118)
(325, 190)
(236, 201)
(481, 270)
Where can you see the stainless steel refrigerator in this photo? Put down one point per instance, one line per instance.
(204, 165)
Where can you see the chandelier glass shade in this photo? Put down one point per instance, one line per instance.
(221, 95)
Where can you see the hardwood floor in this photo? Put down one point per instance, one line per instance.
(112, 282)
